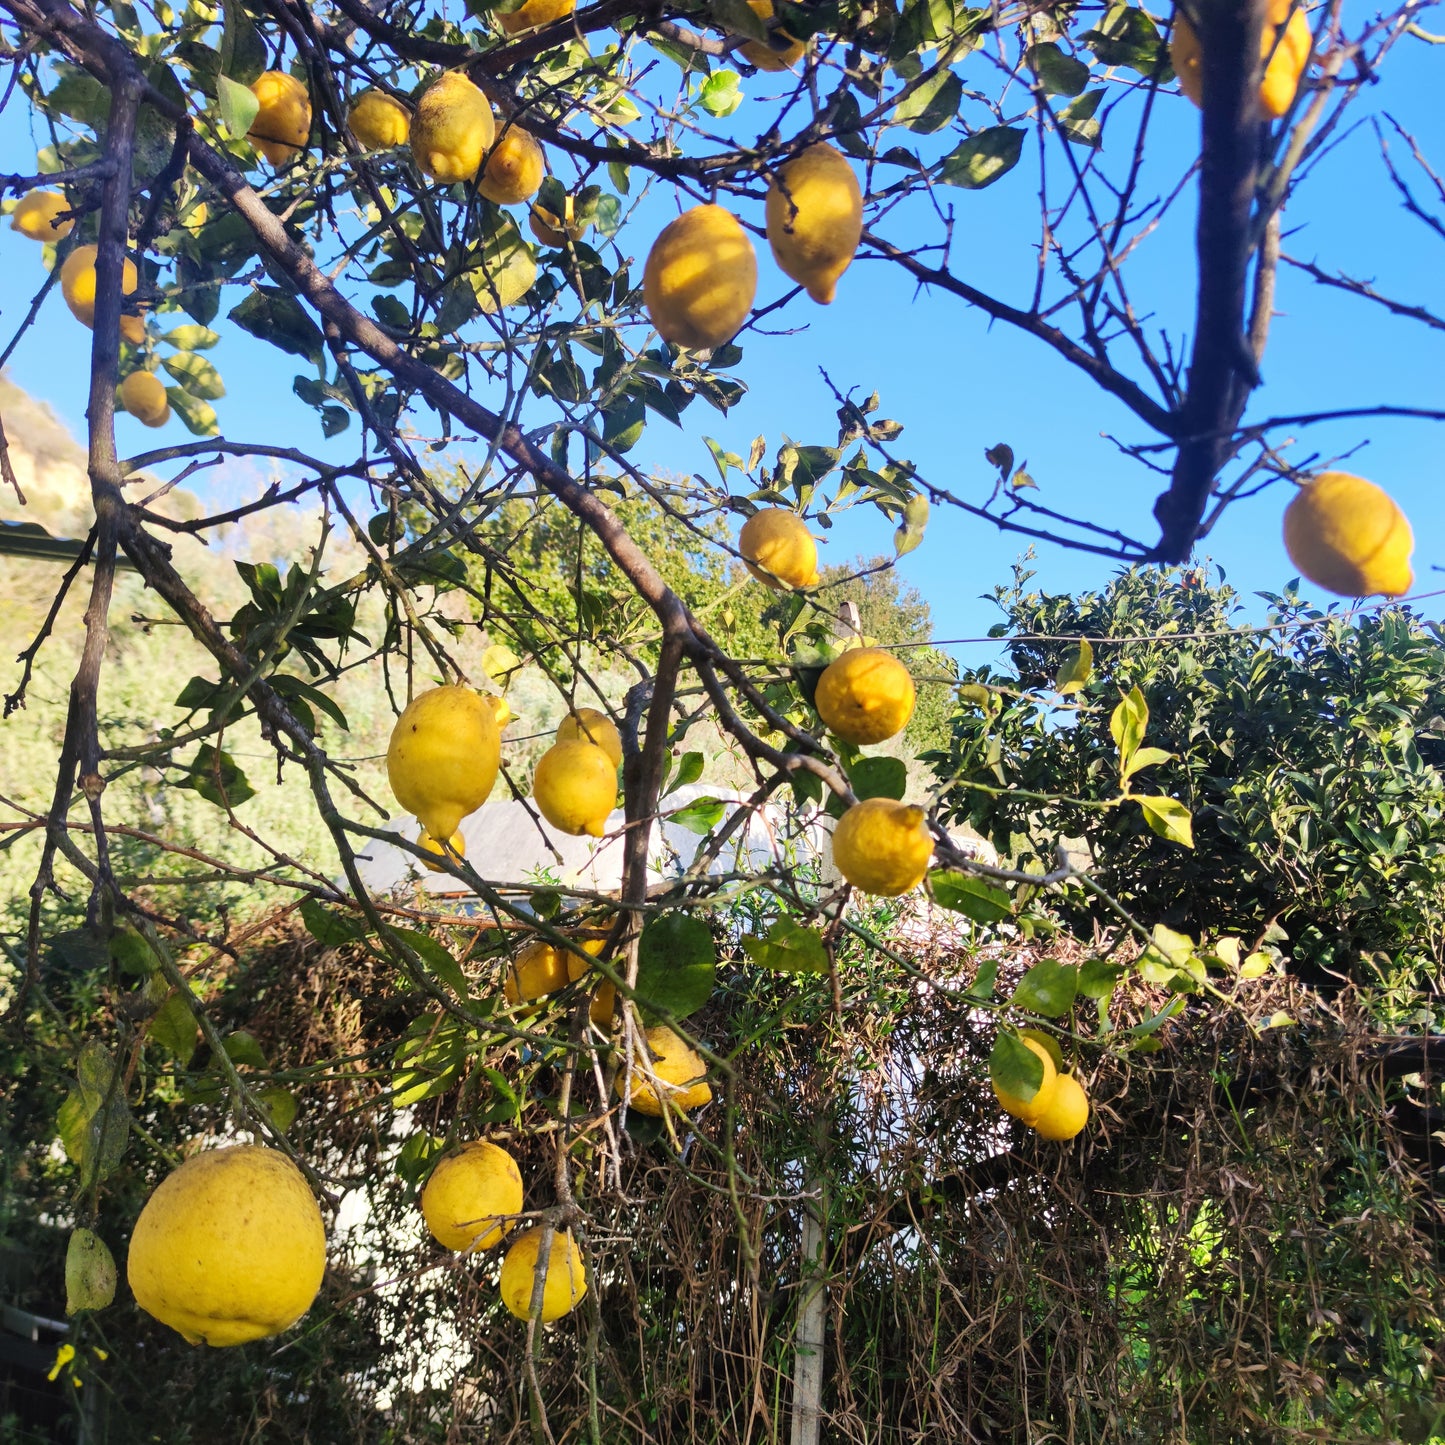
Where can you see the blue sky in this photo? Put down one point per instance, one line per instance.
(960, 385)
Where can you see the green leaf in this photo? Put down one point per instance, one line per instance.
(417, 1156)
(1077, 121)
(196, 374)
(175, 1029)
(191, 338)
(1076, 669)
(90, 1274)
(915, 523)
(275, 316)
(739, 18)
(971, 896)
(328, 928)
(1058, 74)
(1048, 1043)
(435, 958)
(1097, 977)
(1169, 818)
(879, 777)
(1127, 724)
(218, 778)
(94, 1120)
(280, 1106)
(676, 964)
(1048, 988)
(701, 815)
(985, 980)
(1128, 36)
(1143, 758)
(721, 93)
(1172, 1009)
(1015, 1068)
(788, 947)
(239, 106)
(243, 1050)
(932, 105)
(689, 770)
(197, 416)
(243, 51)
(983, 158)
(506, 269)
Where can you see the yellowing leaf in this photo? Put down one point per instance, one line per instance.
(1169, 818)
(1255, 966)
(1076, 669)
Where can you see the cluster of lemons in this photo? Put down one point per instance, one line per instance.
(1059, 1108)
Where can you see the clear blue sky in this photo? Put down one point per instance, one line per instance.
(960, 386)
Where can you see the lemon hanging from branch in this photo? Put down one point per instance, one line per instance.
(865, 696)
(575, 785)
(778, 549)
(443, 756)
(815, 218)
(700, 278)
(1348, 535)
(882, 846)
(452, 129)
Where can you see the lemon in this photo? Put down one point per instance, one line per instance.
(283, 122)
(761, 54)
(132, 329)
(700, 278)
(428, 844)
(452, 129)
(565, 1280)
(551, 230)
(778, 549)
(865, 696)
(1286, 60)
(443, 756)
(35, 216)
(605, 996)
(539, 969)
(229, 1248)
(470, 1196)
(1029, 1110)
(575, 785)
(535, 13)
(144, 396)
(77, 284)
(1349, 536)
(679, 1071)
(882, 846)
(815, 217)
(514, 168)
(1066, 1111)
(591, 726)
(378, 121)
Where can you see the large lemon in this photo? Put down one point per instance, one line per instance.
(539, 969)
(565, 1280)
(77, 284)
(882, 846)
(815, 217)
(1348, 535)
(865, 696)
(1287, 59)
(575, 785)
(378, 121)
(1029, 1110)
(283, 122)
(443, 756)
(535, 13)
(700, 278)
(761, 53)
(514, 168)
(452, 129)
(35, 216)
(468, 1201)
(144, 396)
(778, 549)
(588, 725)
(680, 1073)
(1065, 1112)
(229, 1248)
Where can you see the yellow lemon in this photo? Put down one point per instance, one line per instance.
(605, 996)
(553, 230)
(144, 396)
(1066, 1111)
(443, 756)
(1286, 60)
(467, 1200)
(763, 55)
(229, 1248)
(589, 725)
(778, 549)
(378, 121)
(1349, 536)
(132, 329)
(565, 1282)
(35, 215)
(428, 844)
(514, 168)
(679, 1071)
(1029, 1110)
(865, 696)
(815, 217)
(283, 122)
(575, 785)
(452, 129)
(882, 846)
(535, 13)
(700, 278)
(539, 969)
(77, 284)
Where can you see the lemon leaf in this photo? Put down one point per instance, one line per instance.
(1168, 817)
(975, 898)
(676, 965)
(1076, 669)
(1015, 1068)
(90, 1273)
(1048, 988)
(789, 948)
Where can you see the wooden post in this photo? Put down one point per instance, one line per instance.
(808, 1338)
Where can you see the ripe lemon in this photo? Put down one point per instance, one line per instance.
(1029, 1110)
(605, 996)
(1066, 1111)
(229, 1248)
(778, 549)
(467, 1200)
(539, 969)
(1347, 535)
(283, 122)
(566, 1278)
(575, 785)
(588, 725)
(132, 329)
(679, 1069)
(35, 215)
(378, 121)
(761, 54)
(1286, 60)
(77, 284)
(535, 13)
(514, 168)
(452, 129)
(144, 397)
(700, 278)
(865, 696)
(815, 217)
(443, 756)
(551, 230)
(882, 846)
(428, 844)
